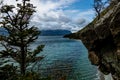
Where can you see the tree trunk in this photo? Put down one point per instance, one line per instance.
(23, 57)
(23, 64)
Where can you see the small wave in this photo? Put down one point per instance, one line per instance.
(97, 75)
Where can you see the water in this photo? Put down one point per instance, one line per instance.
(65, 58)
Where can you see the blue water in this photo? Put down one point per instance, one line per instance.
(65, 58)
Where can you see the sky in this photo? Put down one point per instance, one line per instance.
(70, 15)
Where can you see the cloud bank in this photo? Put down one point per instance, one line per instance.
(57, 14)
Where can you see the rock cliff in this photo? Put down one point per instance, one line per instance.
(102, 39)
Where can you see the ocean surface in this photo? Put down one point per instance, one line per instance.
(65, 59)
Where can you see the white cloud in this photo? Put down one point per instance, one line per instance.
(87, 14)
(51, 15)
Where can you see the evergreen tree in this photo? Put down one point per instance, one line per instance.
(16, 21)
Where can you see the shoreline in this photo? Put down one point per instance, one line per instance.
(104, 77)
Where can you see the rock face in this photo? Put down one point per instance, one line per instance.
(102, 39)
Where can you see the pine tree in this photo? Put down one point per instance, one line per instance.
(17, 43)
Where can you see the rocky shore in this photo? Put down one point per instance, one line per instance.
(102, 39)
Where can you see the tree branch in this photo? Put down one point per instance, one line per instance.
(10, 17)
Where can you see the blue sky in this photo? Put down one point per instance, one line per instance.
(82, 5)
(61, 14)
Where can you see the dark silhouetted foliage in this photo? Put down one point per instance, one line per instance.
(15, 20)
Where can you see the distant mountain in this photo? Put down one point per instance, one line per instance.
(54, 32)
(43, 32)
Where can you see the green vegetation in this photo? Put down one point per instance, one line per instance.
(9, 72)
(17, 44)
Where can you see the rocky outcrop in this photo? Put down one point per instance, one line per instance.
(72, 36)
(102, 39)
